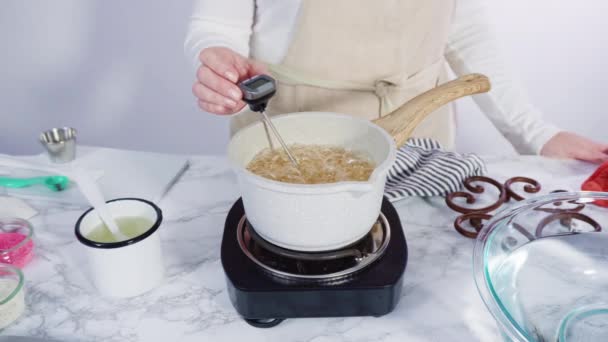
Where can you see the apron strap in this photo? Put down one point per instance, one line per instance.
(381, 88)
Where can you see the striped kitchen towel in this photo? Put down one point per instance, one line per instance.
(424, 169)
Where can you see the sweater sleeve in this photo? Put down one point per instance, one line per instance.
(226, 23)
(472, 48)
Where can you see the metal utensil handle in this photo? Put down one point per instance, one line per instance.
(270, 144)
(278, 136)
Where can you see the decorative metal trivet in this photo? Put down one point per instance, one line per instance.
(476, 216)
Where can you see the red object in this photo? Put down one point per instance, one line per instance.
(598, 182)
(19, 256)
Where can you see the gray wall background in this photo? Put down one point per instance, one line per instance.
(115, 70)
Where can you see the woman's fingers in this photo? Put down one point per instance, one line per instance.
(207, 94)
(221, 70)
(571, 145)
(216, 88)
(220, 85)
(593, 154)
(222, 61)
(599, 157)
(595, 158)
(214, 102)
(214, 108)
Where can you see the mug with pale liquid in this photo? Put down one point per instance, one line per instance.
(123, 268)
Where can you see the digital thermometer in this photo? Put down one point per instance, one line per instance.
(257, 91)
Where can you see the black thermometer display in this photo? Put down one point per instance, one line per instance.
(257, 91)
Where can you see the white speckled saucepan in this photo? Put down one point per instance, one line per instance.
(323, 217)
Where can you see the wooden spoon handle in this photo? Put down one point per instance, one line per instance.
(401, 122)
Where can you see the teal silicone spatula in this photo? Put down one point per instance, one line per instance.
(55, 183)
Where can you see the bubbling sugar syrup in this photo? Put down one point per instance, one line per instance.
(318, 164)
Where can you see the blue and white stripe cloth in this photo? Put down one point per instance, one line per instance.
(424, 169)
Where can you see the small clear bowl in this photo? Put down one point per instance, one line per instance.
(12, 297)
(16, 243)
(541, 267)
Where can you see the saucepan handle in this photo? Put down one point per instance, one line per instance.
(401, 122)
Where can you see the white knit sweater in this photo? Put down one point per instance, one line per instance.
(262, 29)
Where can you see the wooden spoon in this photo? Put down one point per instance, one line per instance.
(401, 122)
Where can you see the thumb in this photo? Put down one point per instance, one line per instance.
(257, 68)
(248, 67)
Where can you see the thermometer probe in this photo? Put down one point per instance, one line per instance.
(257, 91)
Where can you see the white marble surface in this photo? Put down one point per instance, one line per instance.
(439, 300)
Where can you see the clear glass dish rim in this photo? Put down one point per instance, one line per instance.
(484, 287)
(28, 237)
(579, 313)
(19, 286)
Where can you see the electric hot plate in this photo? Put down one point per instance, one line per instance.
(267, 283)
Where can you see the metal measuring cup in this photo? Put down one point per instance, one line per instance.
(60, 144)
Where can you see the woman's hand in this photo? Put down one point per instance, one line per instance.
(570, 145)
(221, 70)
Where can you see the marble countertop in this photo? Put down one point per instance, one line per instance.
(439, 299)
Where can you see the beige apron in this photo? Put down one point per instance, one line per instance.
(364, 58)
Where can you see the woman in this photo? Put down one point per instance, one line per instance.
(363, 58)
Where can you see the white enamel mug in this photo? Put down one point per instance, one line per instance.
(126, 268)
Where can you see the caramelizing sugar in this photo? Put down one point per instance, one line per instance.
(317, 164)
